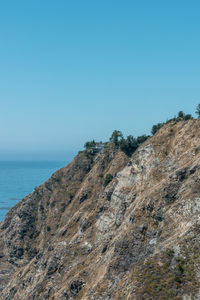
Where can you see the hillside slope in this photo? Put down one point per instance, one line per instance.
(136, 238)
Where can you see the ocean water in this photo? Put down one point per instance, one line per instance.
(18, 178)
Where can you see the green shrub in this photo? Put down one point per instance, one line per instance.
(187, 117)
(156, 127)
(89, 145)
(142, 138)
(198, 111)
(181, 114)
(108, 178)
(128, 145)
(116, 137)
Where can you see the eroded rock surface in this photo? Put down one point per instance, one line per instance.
(137, 238)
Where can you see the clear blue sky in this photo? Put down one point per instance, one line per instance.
(72, 71)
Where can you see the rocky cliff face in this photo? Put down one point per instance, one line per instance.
(136, 238)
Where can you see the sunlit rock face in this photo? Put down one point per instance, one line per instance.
(138, 237)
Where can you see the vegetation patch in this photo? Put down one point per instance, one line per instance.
(169, 276)
(108, 178)
(130, 144)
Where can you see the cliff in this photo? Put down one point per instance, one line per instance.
(136, 238)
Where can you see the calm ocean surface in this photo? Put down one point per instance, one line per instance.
(18, 178)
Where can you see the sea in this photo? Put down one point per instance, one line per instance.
(19, 178)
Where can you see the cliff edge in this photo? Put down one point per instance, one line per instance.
(135, 236)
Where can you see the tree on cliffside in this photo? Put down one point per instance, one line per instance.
(128, 145)
(181, 114)
(156, 127)
(198, 111)
(89, 145)
(116, 137)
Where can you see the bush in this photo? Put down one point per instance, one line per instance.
(108, 179)
(181, 114)
(198, 111)
(187, 117)
(89, 145)
(156, 127)
(116, 137)
(128, 145)
(142, 138)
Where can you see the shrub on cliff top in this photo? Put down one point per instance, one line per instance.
(187, 117)
(128, 145)
(156, 127)
(89, 145)
(142, 138)
(198, 111)
(116, 137)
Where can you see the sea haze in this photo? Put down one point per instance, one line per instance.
(18, 178)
